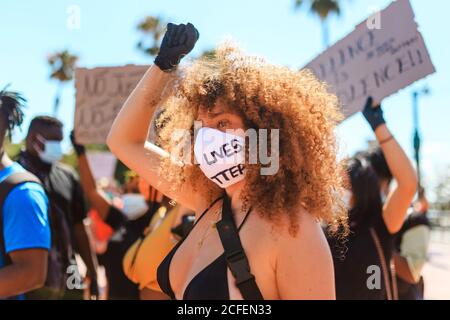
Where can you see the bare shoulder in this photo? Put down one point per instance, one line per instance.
(285, 234)
(301, 229)
(304, 265)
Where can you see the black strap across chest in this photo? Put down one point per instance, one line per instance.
(235, 255)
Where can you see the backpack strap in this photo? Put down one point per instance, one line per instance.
(388, 274)
(235, 254)
(6, 186)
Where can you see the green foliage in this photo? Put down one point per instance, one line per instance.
(152, 30)
(321, 8)
(209, 54)
(13, 149)
(62, 69)
(62, 65)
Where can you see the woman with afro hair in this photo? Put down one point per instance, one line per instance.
(278, 215)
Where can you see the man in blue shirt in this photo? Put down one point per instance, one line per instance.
(25, 225)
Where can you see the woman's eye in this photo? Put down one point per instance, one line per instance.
(222, 124)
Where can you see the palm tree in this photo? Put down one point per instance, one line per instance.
(153, 29)
(323, 9)
(62, 67)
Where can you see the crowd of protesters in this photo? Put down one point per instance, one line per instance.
(371, 243)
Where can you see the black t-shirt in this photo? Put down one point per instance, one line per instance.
(354, 261)
(62, 186)
(127, 232)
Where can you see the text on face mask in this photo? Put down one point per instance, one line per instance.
(226, 150)
(228, 174)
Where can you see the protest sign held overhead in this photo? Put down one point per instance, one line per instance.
(382, 55)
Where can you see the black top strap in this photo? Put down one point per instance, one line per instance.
(235, 254)
(6, 186)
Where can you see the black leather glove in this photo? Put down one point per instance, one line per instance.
(79, 149)
(178, 41)
(373, 115)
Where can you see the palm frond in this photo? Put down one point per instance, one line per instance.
(321, 8)
(152, 29)
(62, 65)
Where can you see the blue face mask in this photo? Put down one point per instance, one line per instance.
(52, 151)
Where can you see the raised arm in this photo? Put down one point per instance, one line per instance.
(128, 136)
(399, 199)
(96, 199)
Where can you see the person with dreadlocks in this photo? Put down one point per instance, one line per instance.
(24, 224)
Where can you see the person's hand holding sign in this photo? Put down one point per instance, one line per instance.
(178, 41)
(373, 114)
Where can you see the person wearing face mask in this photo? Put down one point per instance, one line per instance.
(67, 210)
(128, 223)
(256, 236)
(364, 262)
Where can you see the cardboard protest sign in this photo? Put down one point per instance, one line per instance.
(382, 55)
(103, 164)
(100, 94)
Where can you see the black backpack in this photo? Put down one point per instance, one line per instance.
(55, 283)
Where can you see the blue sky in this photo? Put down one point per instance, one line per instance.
(107, 36)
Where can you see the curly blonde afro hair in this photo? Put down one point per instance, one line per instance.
(267, 97)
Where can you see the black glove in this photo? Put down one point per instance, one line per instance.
(79, 149)
(178, 41)
(373, 115)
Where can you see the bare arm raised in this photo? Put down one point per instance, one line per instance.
(399, 200)
(128, 136)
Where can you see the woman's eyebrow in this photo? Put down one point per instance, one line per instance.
(213, 115)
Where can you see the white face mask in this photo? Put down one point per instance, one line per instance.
(221, 156)
(52, 151)
(134, 206)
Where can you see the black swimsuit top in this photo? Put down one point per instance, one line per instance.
(209, 284)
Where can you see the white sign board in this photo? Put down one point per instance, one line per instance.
(103, 164)
(382, 55)
(100, 94)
